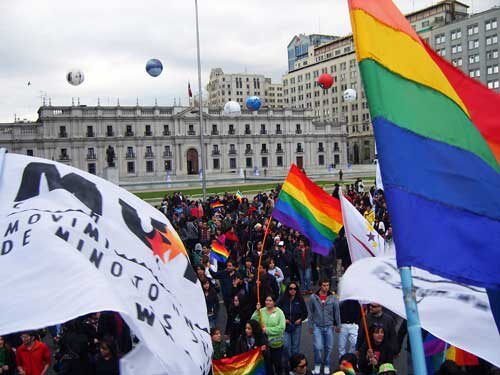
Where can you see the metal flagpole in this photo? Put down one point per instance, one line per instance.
(200, 108)
(413, 320)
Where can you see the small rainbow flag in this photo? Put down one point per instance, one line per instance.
(307, 208)
(219, 252)
(238, 196)
(216, 206)
(249, 363)
(461, 357)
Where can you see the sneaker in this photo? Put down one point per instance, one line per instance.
(317, 370)
(326, 370)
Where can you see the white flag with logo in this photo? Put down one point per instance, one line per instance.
(363, 239)
(455, 313)
(72, 243)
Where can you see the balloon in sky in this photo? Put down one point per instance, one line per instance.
(232, 108)
(253, 103)
(154, 67)
(75, 77)
(325, 81)
(350, 95)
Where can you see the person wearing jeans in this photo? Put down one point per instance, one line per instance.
(303, 261)
(324, 318)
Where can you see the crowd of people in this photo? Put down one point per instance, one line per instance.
(296, 290)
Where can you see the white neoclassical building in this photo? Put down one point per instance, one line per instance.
(152, 142)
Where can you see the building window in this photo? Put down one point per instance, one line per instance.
(494, 84)
(475, 73)
(473, 29)
(248, 162)
(232, 163)
(473, 59)
(166, 151)
(91, 168)
(216, 164)
(492, 40)
(490, 24)
(149, 152)
(298, 130)
(130, 167)
(456, 48)
(90, 131)
(492, 69)
(457, 62)
(91, 154)
(168, 165)
(147, 131)
(473, 44)
(150, 166)
(320, 147)
(279, 161)
(215, 131)
(278, 128)
(262, 129)
(321, 159)
(441, 38)
(247, 128)
(299, 147)
(425, 23)
(456, 34)
(29, 152)
(493, 54)
(130, 153)
(263, 148)
(191, 129)
(336, 159)
(231, 129)
(129, 132)
(166, 130)
(62, 132)
(109, 131)
(64, 154)
(264, 162)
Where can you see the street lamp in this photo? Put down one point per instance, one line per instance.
(200, 108)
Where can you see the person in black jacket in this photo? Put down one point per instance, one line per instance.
(74, 353)
(7, 358)
(107, 360)
(381, 351)
(295, 311)
(212, 301)
(251, 338)
(236, 318)
(226, 281)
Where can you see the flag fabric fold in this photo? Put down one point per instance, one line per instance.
(78, 244)
(377, 279)
(249, 363)
(219, 252)
(438, 144)
(307, 208)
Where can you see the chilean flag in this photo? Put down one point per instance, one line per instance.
(190, 93)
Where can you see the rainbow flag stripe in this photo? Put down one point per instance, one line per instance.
(238, 196)
(304, 206)
(249, 363)
(219, 252)
(216, 205)
(438, 143)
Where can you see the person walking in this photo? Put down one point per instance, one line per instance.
(324, 318)
(32, 357)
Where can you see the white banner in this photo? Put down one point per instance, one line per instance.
(363, 239)
(72, 243)
(457, 314)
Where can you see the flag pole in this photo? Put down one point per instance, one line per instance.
(260, 261)
(414, 329)
(200, 108)
(365, 326)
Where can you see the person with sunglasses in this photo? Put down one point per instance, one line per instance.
(298, 365)
(293, 306)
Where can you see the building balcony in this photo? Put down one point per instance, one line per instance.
(232, 152)
(299, 150)
(264, 151)
(191, 132)
(92, 156)
(279, 132)
(90, 134)
(298, 131)
(148, 134)
(110, 134)
(231, 132)
(248, 152)
(263, 131)
(279, 151)
(214, 132)
(130, 155)
(215, 152)
(129, 134)
(64, 157)
(149, 155)
(63, 135)
(321, 149)
(166, 132)
(336, 149)
(167, 154)
(248, 132)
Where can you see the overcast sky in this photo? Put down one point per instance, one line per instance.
(111, 40)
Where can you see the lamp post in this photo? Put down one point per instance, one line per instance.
(200, 108)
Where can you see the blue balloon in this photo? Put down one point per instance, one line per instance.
(154, 67)
(253, 103)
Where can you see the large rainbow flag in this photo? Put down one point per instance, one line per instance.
(249, 363)
(219, 252)
(304, 206)
(438, 142)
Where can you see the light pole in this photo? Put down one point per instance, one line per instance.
(200, 108)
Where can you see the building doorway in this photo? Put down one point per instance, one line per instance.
(192, 161)
(300, 162)
(356, 153)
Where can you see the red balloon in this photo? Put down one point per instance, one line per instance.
(325, 81)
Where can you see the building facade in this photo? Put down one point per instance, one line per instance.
(237, 87)
(152, 142)
(299, 46)
(470, 42)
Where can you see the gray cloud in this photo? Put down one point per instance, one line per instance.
(111, 40)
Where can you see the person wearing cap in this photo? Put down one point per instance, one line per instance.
(387, 369)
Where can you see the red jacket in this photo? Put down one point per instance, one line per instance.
(33, 361)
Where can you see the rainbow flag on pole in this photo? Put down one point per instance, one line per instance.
(219, 252)
(215, 206)
(249, 363)
(239, 196)
(438, 143)
(304, 206)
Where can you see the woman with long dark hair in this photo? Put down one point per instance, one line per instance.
(107, 359)
(381, 351)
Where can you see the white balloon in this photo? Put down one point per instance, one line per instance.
(232, 108)
(75, 77)
(350, 95)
